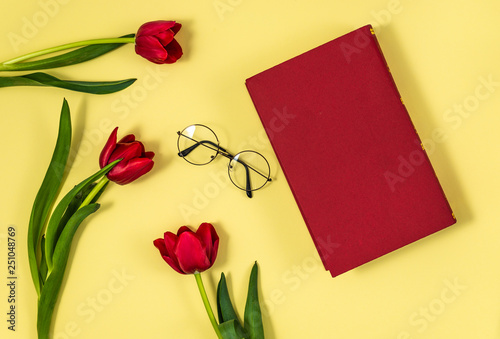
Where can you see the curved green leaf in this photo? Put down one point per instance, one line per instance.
(74, 205)
(70, 58)
(47, 194)
(46, 80)
(55, 227)
(72, 208)
(253, 315)
(54, 280)
(43, 262)
(225, 308)
(232, 329)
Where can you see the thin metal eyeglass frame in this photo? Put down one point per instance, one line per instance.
(220, 150)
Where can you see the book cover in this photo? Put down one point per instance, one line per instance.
(349, 151)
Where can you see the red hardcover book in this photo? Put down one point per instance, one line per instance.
(349, 151)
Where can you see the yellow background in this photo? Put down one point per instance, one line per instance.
(441, 55)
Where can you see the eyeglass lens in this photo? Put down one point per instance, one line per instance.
(198, 144)
(249, 170)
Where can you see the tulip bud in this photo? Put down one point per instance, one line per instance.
(189, 252)
(135, 161)
(155, 42)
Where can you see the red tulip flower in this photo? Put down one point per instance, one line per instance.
(189, 252)
(135, 160)
(155, 42)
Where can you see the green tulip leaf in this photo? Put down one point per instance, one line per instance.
(54, 280)
(70, 58)
(253, 314)
(47, 194)
(75, 204)
(232, 329)
(46, 80)
(225, 308)
(43, 262)
(73, 207)
(55, 228)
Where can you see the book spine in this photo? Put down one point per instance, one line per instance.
(382, 57)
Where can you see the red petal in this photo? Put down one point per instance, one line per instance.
(148, 155)
(174, 51)
(176, 28)
(206, 232)
(126, 172)
(173, 264)
(215, 249)
(154, 27)
(150, 48)
(165, 37)
(191, 253)
(108, 149)
(127, 139)
(127, 151)
(160, 245)
(142, 147)
(170, 239)
(183, 229)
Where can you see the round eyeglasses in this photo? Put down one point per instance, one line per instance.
(248, 170)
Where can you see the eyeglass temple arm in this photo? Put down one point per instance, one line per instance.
(248, 189)
(249, 186)
(188, 150)
(247, 167)
(247, 171)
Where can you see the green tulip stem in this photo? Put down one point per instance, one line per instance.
(204, 297)
(94, 191)
(68, 46)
